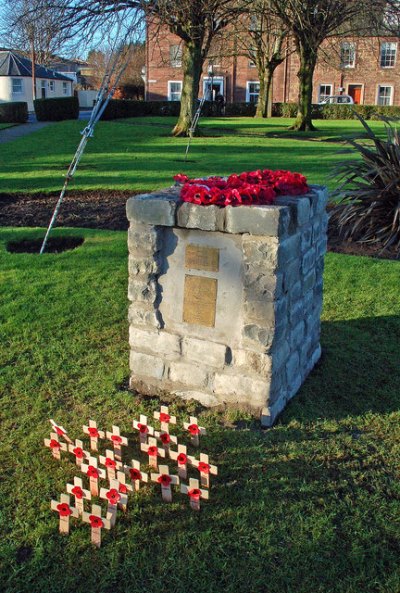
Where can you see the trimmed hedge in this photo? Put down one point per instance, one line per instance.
(338, 111)
(56, 109)
(14, 113)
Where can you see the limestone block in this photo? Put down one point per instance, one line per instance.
(206, 399)
(300, 208)
(143, 267)
(188, 374)
(291, 274)
(152, 209)
(322, 246)
(306, 238)
(260, 285)
(294, 386)
(272, 221)
(209, 353)
(289, 249)
(192, 216)
(296, 313)
(261, 252)
(146, 365)
(142, 291)
(309, 280)
(295, 293)
(251, 361)
(270, 413)
(143, 315)
(292, 368)
(240, 388)
(280, 354)
(297, 335)
(143, 239)
(155, 341)
(308, 261)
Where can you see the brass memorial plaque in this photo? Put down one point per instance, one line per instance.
(200, 300)
(199, 257)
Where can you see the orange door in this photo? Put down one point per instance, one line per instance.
(355, 92)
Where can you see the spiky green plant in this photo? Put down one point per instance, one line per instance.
(368, 192)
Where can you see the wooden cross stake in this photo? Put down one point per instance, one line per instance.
(152, 451)
(194, 429)
(94, 433)
(144, 429)
(166, 439)
(164, 418)
(77, 490)
(181, 457)
(110, 463)
(65, 511)
(194, 493)
(114, 499)
(118, 441)
(204, 468)
(60, 430)
(94, 473)
(54, 444)
(166, 480)
(135, 474)
(79, 452)
(124, 488)
(97, 523)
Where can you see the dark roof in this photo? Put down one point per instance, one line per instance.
(13, 64)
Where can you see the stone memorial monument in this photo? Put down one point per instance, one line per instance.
(225, 302)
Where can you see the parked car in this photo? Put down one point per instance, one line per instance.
(337, 99)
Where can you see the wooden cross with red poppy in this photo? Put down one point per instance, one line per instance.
(152, 451)
(94, 473)
(60, 430)
(181, 457)
(204, 468)
(94, 433)
(144, 429)
(124, 488)
(97, 523)
(166, 480)
(77, 490)
(166, 439)
(195, 493)
(194, 429)
(118, 441)
(114, 498)
(135, 474)
(54, 444)
(165, 418)
(65, 511)
(79, 452)
(110, 463)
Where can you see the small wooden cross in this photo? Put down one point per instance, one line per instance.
(94, 473)
(79, 452)
(194, 429)
(152, 451)
(165, 479)
(135, 474)
(94, 433)
(65, 511)
(194, 493)
(110, 463)
(97, 523)
(117, 441)
(124, 488)
(181, 457)
(164, 417)
(77, 490)
(144, 429)
(166, 439)
(54, 444)
(204, 468)
(115, 499)
(60, 430)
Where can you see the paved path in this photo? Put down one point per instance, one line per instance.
(15, 132)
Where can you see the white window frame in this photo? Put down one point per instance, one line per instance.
(171, 82)
(383, 57)
(348, 46)
(249, 94)
(21, 85)
(177, 61)
(322, 96)
(215, 80)
(52, 86)
(65, 88)
(384, 86)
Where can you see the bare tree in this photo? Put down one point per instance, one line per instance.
(310, 23)
(260, 37)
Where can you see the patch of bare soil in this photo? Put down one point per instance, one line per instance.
(105, 209)
(53, 245)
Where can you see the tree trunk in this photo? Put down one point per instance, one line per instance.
(192, 65)
(305, 75)
(264, 104)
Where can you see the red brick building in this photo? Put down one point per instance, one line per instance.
(367, 68)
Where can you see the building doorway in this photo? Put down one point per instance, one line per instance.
(355, 91)
(213, 86)
(43, 89)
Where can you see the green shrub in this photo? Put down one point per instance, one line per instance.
(240, 109)
(14, 113)
(368, 193)
(56, 109)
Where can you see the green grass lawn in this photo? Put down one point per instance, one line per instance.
(309, 506)
(4, 126)
(141, 154)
